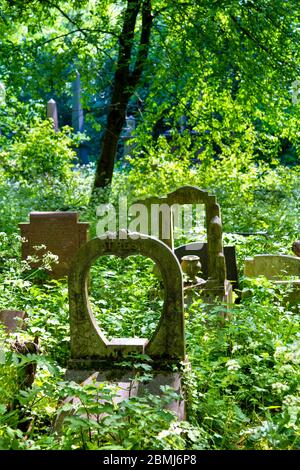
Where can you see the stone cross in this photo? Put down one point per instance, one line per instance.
(60, 232)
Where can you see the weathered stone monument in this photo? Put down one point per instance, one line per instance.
(12, 321)
(296, 248)
(92, 353)
(52, 113)
(200, 250)
(277, 268)
(127, 135)
(60, 232)
(273, 267)
(216, 283)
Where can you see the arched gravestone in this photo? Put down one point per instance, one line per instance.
(273, 267)
(90, 349)
(216, 284)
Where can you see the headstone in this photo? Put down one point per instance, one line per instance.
(60, 232)
(273, 267)
(217, 284)
(52, 113)
(296, 248)
(276, 268)
(12, 319)
(92, 352)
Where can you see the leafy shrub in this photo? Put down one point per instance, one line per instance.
(40, 152)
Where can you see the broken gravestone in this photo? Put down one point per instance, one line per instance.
(216, 284)
(60, 232)
(92, 353)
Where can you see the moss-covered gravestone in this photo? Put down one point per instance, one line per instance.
(273, 267)
(92, 352)
(216, 283)
(278, 269)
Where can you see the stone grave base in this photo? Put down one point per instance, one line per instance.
(224, 293)
(128, 387)
(209, 294)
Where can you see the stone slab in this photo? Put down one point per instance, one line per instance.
(273, 267)
(12, 319)
(60, 232)
(129, 387)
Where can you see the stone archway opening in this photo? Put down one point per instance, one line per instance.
(126, 296)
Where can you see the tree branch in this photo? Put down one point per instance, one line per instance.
(77, 31)
(126, 40)
(249, 35)
(65, 15)
(58, 37)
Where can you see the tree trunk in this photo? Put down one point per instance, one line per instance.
(115, 122)
(125, 82)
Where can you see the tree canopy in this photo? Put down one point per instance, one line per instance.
(222, 70)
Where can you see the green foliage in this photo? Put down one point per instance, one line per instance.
(214, 110)
(243, 387)
(126, 296)
(136, 423)
(40, 152)
(247, 371)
